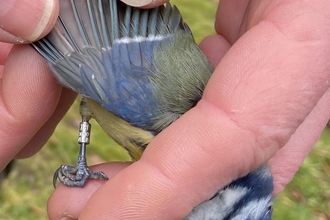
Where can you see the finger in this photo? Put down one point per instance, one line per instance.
(229, 18)
(28, 97)
(287, 160)
(44, 133)
(70, 201)
(23, 21)
(144, 3)
(215, 47)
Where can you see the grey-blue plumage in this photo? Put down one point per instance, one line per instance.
(139, 70)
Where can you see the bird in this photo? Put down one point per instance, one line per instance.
(139, 70)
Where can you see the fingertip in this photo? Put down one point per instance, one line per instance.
(70, 201)
(144, 3)
(26, 21)
(214, 47)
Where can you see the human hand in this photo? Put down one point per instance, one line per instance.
(269, 92)
(31, 101)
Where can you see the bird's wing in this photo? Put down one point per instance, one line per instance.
(103, 49)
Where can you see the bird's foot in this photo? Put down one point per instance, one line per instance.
(76, 176)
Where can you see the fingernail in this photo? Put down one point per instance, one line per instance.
(137, 3)
(24, 19)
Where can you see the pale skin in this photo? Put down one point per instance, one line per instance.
(268, 100)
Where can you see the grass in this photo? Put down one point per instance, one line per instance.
(308, 194)
(24, 194)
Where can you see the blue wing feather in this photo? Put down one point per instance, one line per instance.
(103, 50)
(130, 95)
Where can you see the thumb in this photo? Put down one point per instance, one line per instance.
(24, 21)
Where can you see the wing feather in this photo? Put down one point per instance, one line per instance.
(104, 50)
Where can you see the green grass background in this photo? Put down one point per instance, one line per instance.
(24, 194)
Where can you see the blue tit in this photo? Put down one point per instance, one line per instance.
(138, 71)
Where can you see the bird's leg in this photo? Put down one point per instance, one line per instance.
(78, 175)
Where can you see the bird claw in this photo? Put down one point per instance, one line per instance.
(76, 176)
